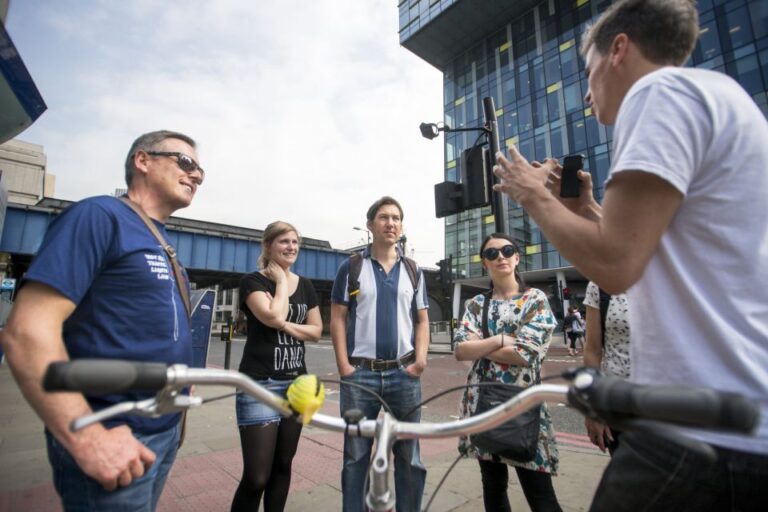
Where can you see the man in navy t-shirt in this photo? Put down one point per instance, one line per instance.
(101, 286)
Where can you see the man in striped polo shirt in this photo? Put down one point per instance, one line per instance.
(380, 333)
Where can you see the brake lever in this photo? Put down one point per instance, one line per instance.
(140, 408)
(163, 403)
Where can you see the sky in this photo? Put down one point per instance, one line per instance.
(304, 111)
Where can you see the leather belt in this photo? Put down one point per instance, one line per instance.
(379, 365)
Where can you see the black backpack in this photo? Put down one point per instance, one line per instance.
(356, 265)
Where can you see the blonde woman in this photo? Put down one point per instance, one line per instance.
(282, 312)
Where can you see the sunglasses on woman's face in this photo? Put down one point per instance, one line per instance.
(491, 253)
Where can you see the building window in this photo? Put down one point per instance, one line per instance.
(737, 27)
(573, 98)
(747, 72)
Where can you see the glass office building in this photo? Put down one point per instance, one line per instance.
(525, 54)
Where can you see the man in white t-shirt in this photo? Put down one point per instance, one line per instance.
(684, 229)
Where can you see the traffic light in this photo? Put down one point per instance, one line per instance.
(446, 274)
(555, 292)
(448, 196)
(474, 178)
(474, 191)
(566, 294)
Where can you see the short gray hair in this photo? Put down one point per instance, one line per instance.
(149, 142)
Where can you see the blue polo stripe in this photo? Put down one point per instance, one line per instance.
(386, 310)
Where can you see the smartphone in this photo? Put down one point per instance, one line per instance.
(569, 181)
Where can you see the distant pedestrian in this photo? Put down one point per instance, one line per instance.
(282, 312)
(574, 328)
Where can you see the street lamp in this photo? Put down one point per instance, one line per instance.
(432, 130)
(475, 189)
(356, 228)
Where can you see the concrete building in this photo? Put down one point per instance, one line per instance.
(524, 54)
(23, 169)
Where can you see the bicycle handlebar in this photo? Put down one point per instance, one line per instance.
(598, 396)
(104, 376)
(615, 399)
(593, 394)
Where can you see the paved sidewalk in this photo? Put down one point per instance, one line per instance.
(209, 465)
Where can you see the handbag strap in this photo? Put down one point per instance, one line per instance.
(181, 281)
(486, 306)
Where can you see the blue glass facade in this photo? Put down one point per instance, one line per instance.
(531, 66)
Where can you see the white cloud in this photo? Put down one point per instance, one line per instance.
(304, 111)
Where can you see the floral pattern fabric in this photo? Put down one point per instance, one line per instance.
(615, 359)
(529, 320)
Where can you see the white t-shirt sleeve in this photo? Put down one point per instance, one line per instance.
(592, 298)
(662, 129)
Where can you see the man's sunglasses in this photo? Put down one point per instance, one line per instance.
(491, 253)
(185, 162)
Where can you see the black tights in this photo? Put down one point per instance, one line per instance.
(268, 452)
(537, 487)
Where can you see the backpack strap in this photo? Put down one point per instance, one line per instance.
(412, 268)
(605, 301)
(353, 276)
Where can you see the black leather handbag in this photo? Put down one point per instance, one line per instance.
(516, 439)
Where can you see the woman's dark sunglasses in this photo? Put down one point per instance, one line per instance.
(491, 253)
(185, 162)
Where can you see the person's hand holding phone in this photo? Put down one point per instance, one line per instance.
(578, 196)
(520, 179)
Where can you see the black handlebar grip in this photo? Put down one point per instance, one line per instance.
(104, 376)
(695, 407)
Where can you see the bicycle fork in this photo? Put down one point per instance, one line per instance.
(379, 497)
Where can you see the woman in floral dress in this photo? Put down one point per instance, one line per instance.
(520, 324)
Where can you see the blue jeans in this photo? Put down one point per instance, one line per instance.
(649, 473)
(402, 392)
(79, 492)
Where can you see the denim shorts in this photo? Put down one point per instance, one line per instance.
(252, 412)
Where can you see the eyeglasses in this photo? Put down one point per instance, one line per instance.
(185, 162)
(491, 253)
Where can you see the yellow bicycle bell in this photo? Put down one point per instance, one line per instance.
(305, 396)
